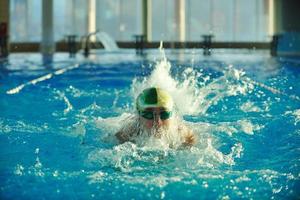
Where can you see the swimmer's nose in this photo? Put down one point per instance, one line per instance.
(158, 121)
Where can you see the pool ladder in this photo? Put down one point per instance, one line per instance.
(207, 44)
(140, 41)
(86, 43)
(72, 45)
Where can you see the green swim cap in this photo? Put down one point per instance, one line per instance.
(154, 97)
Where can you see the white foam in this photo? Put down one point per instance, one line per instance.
(250, 107)
(19, 170)
(295, 114)
(247, 127)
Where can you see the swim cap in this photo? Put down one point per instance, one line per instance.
(154, 97)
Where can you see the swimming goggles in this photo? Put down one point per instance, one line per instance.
(150, 115)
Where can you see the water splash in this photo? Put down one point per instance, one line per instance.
(63, 97)
(129, 157)
(193, 91)
(295, 114)
(250, 107)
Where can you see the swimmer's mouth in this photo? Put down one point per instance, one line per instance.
(157, 132)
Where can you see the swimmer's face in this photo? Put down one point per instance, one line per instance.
(155, 117)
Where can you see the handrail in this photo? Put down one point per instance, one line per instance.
(86, 48)
(62, 46)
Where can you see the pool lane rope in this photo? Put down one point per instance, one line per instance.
(42, 78)
(273, 90)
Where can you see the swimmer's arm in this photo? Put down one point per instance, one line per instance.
(126, 133)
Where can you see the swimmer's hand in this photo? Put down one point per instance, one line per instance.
(188, 136)
(189, 139)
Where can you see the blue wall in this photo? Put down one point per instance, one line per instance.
(289, 44)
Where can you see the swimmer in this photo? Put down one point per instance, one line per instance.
(156, 117)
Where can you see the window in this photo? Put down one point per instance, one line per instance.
(25, 19)
(119, 18)
(227, 20)
(70, 18)
(163, 20)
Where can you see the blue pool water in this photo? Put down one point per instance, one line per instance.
(57, 123)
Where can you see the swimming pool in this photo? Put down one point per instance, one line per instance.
(57, 123)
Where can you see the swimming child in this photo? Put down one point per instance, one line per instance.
(156, 118)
